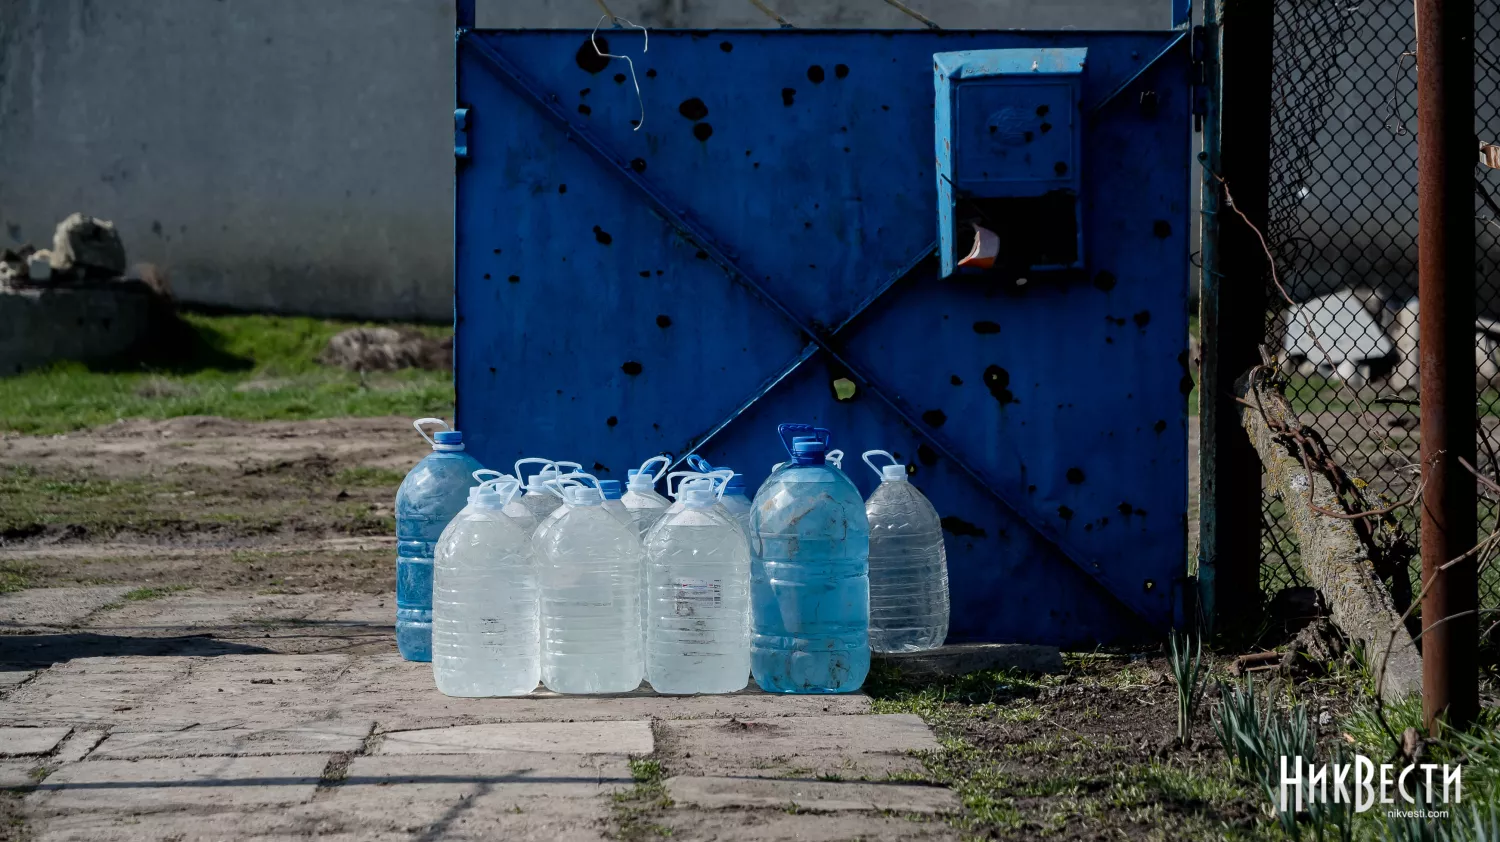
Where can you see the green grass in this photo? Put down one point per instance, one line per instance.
(255, 368)
(636, 809)
(14, 576)
(146, 594)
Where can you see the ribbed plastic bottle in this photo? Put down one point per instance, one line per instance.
(640, 498)
(591, 589)
(486, 600)
(432, 493)
(908, 564)
(736, 501)
(698, 581)
(537, 498)
(809, 574)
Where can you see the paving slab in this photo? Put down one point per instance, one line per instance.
(13, 676)
(964, 658)
(325, 737)
(399, 695)
(622, 738)
(717, 793)
(20, 742)
(78, 745)
(848, 746)
(16, 774)
(43, 609)
(779, 826)
(283, 623)
(178, 783)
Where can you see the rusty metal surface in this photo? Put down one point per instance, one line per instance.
(1445, 271)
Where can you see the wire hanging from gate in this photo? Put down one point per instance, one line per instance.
(772, 14)
(602, 54)
(902, 7)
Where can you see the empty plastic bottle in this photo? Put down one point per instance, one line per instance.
(908, 564)
(809, 582)
(538, 499)
(698, 575)
(591, 589)
(641, 499)
(432, 493)
(612, 492)
(486, 600)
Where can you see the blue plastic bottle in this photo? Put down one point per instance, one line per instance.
(809, 574)
(435, 490)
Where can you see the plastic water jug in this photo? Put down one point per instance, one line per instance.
(432, 493)
(698, 582)
(591, 589)
(809, 582)
(514, 510)
(640, 498)
(486, 600)
(908, 565)
(537, 498)
(732, 495)
(612, 492)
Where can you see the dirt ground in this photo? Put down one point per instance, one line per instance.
(207, 503)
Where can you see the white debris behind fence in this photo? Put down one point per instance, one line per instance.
(1343, 336)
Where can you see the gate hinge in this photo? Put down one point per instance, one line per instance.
(1199, 81)
(461, 134)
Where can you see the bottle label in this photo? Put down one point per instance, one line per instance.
(689, 596)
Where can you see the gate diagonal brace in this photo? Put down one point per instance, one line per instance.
(513, 77)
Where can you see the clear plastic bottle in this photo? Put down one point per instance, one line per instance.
(591, 589)
(641, 499)
(698, 574)
(486, 600)
(612, 492)
(735, 500)
(430, 495)
(809, 582)
(523, 517)
(537, 498)
(908, 564)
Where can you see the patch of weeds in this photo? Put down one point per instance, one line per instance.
(15, 576)
(636, 809)
(366, 476)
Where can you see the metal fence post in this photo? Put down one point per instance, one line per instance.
(1445, 268)
(1237, 141)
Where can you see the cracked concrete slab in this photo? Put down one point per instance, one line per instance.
(325, 737)
(20, 742)
(137, 786)
(847, 746)
(43, 609)
(623, 738)
(717, 793)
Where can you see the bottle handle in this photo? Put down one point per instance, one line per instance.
(530, 460)
(678, 475)
(791, 431)
(666, 462)
(720, 478)
(698, 463)
(869, 453)
(421, 422)
(836, 458)
(484, 475)
(503, 484)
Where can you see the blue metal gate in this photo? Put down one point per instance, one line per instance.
(761, 249)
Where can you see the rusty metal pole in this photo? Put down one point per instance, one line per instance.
(1445, 267)
(1232, 305)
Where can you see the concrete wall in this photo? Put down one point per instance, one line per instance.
(296, 156)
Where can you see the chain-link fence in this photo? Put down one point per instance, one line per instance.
(1343, 228)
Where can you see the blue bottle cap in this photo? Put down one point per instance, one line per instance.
(610, 489)
(448, 437)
